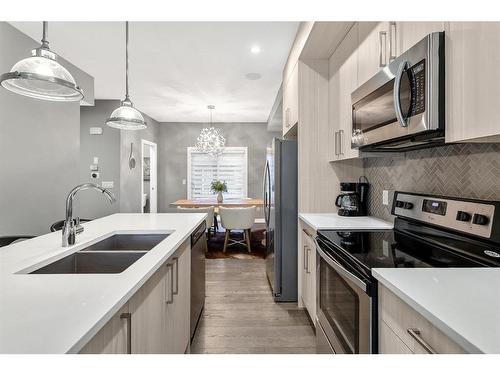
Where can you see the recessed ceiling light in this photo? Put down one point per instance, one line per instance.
(255, 50)
(253, 76)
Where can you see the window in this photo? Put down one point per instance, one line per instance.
(230, 167)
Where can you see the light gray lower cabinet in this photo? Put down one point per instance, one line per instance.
(156, 319)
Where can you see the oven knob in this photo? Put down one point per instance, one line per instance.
(408, 205)
(400, 204)
(463, 216)
(480, 219)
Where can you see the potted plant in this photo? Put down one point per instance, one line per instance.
(219, 187)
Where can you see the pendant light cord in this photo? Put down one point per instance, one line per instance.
(45, 34)
(126, 61)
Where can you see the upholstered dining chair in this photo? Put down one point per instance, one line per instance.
(240, 218)
(208, 210)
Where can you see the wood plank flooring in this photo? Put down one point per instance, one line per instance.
(241, 317)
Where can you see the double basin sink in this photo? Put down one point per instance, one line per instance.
(112, 255)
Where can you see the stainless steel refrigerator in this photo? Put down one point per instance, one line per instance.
(280, 210)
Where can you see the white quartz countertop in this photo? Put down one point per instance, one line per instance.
(335, 222)
(46, 313)
(464, 303)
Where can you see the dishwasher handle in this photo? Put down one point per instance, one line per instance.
(198, 233)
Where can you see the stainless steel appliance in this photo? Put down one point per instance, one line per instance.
(280, 212)
(402, 106)
(198, 249)
(353, 198)
(429, 231)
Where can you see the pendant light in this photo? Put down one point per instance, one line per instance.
(211, 141)
(126, 117)
(40, 76)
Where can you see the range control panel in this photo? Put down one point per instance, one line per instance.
(472, 217)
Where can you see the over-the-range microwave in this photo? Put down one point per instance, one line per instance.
(402, 106)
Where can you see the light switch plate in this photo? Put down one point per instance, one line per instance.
(385, 197)
(96, 160)
(95, 130)
(108, 184)
(184, 181)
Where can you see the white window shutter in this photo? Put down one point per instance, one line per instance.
(230, 166)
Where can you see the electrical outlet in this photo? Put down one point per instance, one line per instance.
(385, 197)
(96, 160)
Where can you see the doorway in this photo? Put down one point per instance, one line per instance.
(149, 196)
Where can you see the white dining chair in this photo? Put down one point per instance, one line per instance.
(208, 210)
(240, 218)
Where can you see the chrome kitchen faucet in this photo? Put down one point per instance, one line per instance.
(72, 228)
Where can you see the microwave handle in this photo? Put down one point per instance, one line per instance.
(397, 91)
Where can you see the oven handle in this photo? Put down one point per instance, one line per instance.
(340, 269)
(397, 92)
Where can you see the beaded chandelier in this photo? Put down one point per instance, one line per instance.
(211, 141)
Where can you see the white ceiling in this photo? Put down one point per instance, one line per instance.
(178, 68)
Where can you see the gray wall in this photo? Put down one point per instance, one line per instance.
(39, 150)
(463, 170)
(107, 148)
(172, 161)
(130, 179)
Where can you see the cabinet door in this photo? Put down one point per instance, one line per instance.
(181, 307)
(149, 313)
(373, 50)
(311, 276)
(112, 338)
(291, 100)
(348, 54)
(404, 35)
(472, 76)
(389, 342)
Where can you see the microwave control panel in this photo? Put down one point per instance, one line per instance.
(418, 88)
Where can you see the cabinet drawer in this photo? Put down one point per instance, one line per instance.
(401, 318)
(389, 342)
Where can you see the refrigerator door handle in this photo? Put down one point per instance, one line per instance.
(266, 197)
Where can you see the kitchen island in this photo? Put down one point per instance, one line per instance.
(61, 313)
(462, 303)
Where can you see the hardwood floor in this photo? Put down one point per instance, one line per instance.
(241, 317)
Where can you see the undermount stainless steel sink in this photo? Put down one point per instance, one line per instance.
(112, 255)
(128, 242)
(92, 262)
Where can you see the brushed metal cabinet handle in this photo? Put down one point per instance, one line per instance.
(308, 252)
(392, 36)
(415, 333)
(336, 141)
(169, 297)
(304, 252)
(176, 289)
(341, 142)
(128, 317)
(382, 35)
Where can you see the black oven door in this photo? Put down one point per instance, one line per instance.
(344, 308)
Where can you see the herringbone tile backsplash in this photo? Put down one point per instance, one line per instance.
(463, 170)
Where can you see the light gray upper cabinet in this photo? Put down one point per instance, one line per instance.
(373, 49)
(472, 76)
(343, 71)
(404, 35)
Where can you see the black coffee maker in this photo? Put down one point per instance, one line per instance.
(353, 198)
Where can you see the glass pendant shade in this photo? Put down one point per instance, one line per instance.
(42, 77)
(126, 117)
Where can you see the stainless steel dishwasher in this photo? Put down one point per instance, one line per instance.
(198, 249)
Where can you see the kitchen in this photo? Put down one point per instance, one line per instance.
(358, 217)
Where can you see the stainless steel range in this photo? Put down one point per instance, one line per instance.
(429, 231)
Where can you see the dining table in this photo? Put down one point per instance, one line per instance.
(227, 202)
